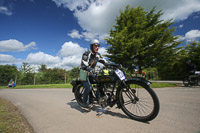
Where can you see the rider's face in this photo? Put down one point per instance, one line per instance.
(95, 48)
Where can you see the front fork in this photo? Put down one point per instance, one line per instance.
(130, 93)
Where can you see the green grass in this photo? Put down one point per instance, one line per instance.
(11, 121)
(68, 85)
(162, 85)
(159, 85)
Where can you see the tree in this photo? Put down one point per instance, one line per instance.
(7, 73)
(140, 38)
(73, 73)
(27, 76)
(42, 68)
(26, 68)
(174, 67)
(193, 53)
(52, 76)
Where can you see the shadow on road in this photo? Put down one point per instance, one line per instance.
(100, 111)
(75, 106)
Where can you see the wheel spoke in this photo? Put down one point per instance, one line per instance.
(128, 102)
(146, 107)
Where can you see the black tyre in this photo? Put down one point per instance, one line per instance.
(198, 81)
(79, 95)
(186, 81)
(139, 102)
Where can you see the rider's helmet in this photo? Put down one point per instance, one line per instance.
(94, 42)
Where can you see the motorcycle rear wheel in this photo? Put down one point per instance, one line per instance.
(79, 96)
(139, 102)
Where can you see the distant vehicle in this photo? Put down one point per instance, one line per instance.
(192, 80)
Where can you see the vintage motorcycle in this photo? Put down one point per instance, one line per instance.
(192, 80)
(133, 95)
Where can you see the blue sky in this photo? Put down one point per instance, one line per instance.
(57, 32)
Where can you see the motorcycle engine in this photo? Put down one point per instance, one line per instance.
(103, 100)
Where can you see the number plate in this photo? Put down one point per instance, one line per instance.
(120, 74)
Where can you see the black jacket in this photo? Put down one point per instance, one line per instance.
(191, 68)
(90, 59)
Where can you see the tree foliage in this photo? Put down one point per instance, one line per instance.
(7, 73)
(42, 68)
(192, 52)
(26, 68)
(174, 66)
(140, 38)
(44, 75)
(53, 76)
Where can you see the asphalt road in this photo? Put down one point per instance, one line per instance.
(52, 111)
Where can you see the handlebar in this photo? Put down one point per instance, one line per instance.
(113, 66)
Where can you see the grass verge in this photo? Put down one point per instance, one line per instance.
(68, 85)
(162, 85)
(11, 120)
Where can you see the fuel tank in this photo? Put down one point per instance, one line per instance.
(104, 79)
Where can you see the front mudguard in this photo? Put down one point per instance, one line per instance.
(135, 80)
(75, 83)
(138, 81)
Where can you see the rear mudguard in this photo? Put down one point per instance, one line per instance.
(135, 80)
(75, 83)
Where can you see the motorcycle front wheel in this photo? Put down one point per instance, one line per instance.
(198, 81)
(139, 102)
(186, 81)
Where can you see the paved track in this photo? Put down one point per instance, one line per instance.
(52, 111)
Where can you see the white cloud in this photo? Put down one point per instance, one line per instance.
(72, 54)
(181, 26)
(6, 58)
(71, 49)
(71, 61)
(98, 16)
(75, 34)
(72, 4)
(42, 58)
(180, 38)
(5, 10)
(180, 10)
(88, 36)
(13, 45)
(192, 35)
(102, 51)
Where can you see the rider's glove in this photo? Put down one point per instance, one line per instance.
(92, 70)
(107, 64)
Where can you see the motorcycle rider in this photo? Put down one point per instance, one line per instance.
(88, 63)
(191, 68)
